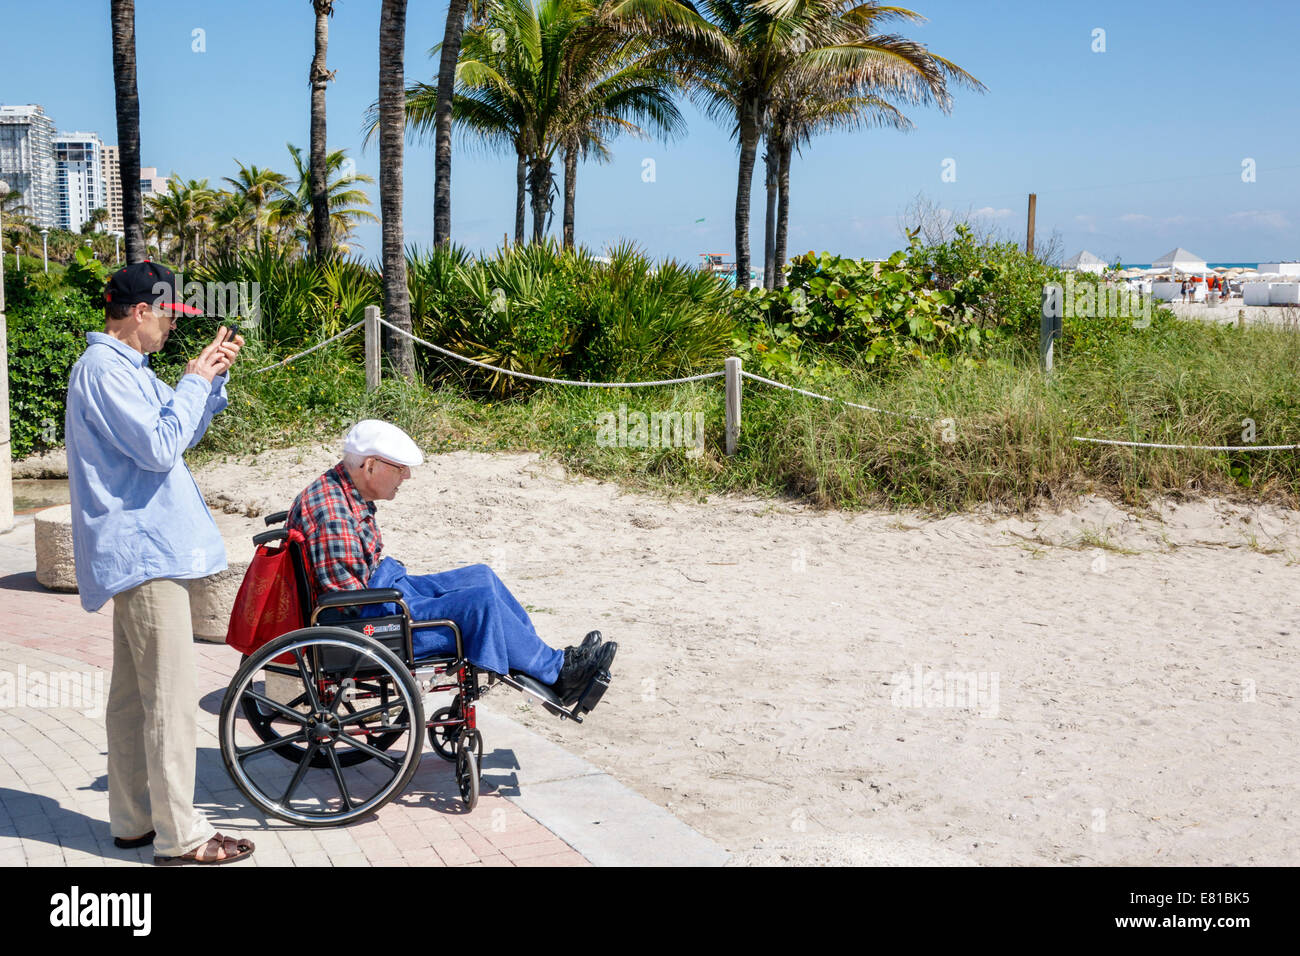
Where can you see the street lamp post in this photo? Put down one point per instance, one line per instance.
(45, 248)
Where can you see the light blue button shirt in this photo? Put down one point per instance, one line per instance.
(137, 513)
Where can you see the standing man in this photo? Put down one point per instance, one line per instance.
(140, 533)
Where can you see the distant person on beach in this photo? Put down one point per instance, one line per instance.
(336, 516)
(1186, 286)
(140, 534)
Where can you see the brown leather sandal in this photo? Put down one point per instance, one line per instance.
(229, 848)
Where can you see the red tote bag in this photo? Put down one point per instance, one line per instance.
(268, 603)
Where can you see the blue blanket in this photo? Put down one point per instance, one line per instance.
(498, 634)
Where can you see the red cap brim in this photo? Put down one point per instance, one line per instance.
(179, 307)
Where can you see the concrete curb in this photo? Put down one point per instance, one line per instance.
(607, 822)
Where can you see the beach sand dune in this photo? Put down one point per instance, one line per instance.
(1092, 686)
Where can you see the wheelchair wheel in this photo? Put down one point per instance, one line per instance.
(270, 724)
(443, 739)
(322, 783)
(468, 754)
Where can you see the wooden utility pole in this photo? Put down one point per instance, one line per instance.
(1029, 231)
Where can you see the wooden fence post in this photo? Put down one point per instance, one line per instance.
(733, 404)
(372, 347)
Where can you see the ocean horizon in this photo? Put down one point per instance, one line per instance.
(1211, 265)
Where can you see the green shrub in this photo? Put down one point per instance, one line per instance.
(46, 336)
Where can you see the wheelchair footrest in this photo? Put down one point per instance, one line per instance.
(550, 700)
(594, 692)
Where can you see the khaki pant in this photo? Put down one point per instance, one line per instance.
(151, 719)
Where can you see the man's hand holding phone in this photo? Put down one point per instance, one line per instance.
(218, 355)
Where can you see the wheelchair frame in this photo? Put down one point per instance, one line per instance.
(340, 663)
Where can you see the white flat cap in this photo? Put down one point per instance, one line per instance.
(373, 437)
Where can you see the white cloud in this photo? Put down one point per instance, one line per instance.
(1269, 218)
(992, 213)
(1134, 217)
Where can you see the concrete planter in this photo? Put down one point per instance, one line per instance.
(54, 565)
(211, 600)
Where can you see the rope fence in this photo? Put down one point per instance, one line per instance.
(297, 355)
(733, 373)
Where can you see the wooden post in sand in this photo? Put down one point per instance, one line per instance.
(1029, 230)
(733, 403)
(372, 347)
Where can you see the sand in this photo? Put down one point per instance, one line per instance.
(808, 686)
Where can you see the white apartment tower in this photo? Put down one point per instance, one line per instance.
(79, 158)
(27, 160)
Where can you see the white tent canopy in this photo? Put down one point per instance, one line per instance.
(1182, 260)
(1085, 261)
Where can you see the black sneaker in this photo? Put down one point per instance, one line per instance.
(605, 656)
(578, 670)
(573, 673)
(591, 641)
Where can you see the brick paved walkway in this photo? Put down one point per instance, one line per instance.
(53, 792)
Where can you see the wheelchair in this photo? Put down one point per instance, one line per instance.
(325, 724)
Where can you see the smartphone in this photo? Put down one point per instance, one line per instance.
(230, 336)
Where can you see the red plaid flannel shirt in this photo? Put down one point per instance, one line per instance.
(343, 540)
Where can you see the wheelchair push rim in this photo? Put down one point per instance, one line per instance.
(264, 721)
(317, 791)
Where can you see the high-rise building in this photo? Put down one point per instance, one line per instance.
(151, 184)
(113, 189)
(27, 160)
(80, 161)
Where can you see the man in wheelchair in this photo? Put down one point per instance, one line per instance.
(336, 516)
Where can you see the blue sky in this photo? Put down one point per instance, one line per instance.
(1131, 151)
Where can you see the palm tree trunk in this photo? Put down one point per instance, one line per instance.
(570, 193)
(392, 121)
(128, 127)
(320, 207)
(539, 186)
(770, 163)
(451, 37)
(783, 211)
(749, 130)
(521, 194)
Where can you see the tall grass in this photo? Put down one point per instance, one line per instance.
(1002, 432)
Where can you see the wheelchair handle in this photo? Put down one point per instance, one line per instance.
(275, 534)
(276, 518)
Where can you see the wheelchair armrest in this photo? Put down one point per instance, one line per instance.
(359, 596)
(276, 518)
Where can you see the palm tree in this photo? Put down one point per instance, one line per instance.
(258, 188)
(392, 112)
(232, 219)
(127, 100)
(291, 215)
(556, 75)
(748, 49)
(319, 76)
(18, 224)
(828, 91)
(96, 221)
(186, 212)
(450, 54)
(609, 79)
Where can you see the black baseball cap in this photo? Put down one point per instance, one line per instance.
(147, 282)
